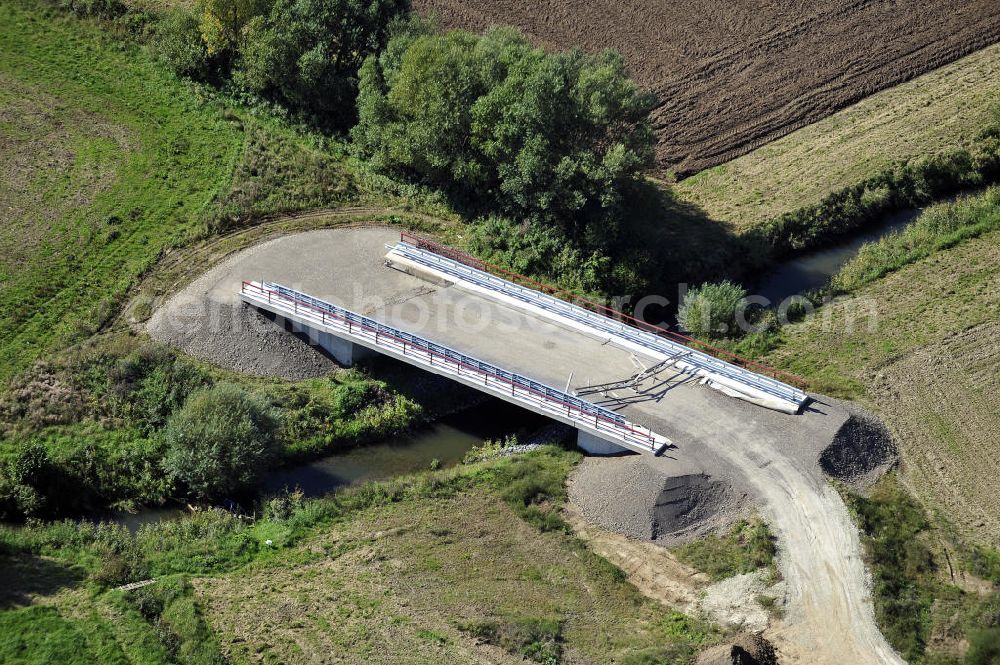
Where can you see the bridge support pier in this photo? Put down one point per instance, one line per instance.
(595, 445)
(344, 351)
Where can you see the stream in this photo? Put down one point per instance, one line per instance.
(445, 440)
(813, 270)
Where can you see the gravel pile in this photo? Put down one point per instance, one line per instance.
(861, 451)
(240, 339)
(617, 493)
(638, 497)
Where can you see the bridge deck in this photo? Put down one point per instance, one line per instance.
(668, 402)
(323, 317)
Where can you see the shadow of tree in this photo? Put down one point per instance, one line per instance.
(24, 577)
(668, 242)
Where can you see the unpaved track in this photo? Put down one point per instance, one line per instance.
(773, 456)
(829, 614)
(731, 76)
(829, 617)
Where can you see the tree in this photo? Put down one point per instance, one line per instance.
(224, 22)
(219, 441)
(552, 138)
(307, 53)
(178, 44)
(710, 309)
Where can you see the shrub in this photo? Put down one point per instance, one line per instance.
(306, 53)
(179, 46)
(494, 121)
(534, 638)
(220, 441)
(144, 386)
(225, 23)
(984, 647)
(539, 250)
(710, 309)
(102, 9)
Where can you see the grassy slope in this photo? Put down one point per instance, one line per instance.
(420, 569)
(933, 113)
(110, 160)
(926, 366)
(177, 154)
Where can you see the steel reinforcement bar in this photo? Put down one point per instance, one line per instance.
(460, 266)
(444, 360)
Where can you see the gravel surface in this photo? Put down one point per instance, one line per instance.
(636, 497)
(240, 339)
(733, 602)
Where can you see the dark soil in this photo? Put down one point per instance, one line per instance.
(733, 76)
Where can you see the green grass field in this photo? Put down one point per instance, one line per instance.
(933, 113)
(447, 566)
(110, 161)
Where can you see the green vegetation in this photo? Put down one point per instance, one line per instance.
(747, 547)
(112, 424)
(713, 310)
(112, 161)
(939, 227)
(915, 183)
(170, 607)
(39, 635)
(219, 442)
(535, 639)
(883, 319)
(444, 528)
(495, 122)
(306, 54)
(912, 602)
(901, 563)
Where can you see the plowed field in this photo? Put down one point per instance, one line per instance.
(733, 76)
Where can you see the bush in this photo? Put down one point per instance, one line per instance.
(908, 185)
(179, 46)
(225, 24)
(30, 485)
(493, 121)
(541, 251)
(102, 9)
(306, 53)
(710, 310)
(984, 647)
(219, 442)
(145, 386)
(529, 637)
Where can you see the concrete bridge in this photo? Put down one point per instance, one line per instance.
(624, 369)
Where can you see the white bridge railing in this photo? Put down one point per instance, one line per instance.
(739, 378)
(443, 360)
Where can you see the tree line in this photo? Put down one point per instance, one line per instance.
(543, 144)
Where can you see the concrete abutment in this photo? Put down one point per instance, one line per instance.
(594, 445)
